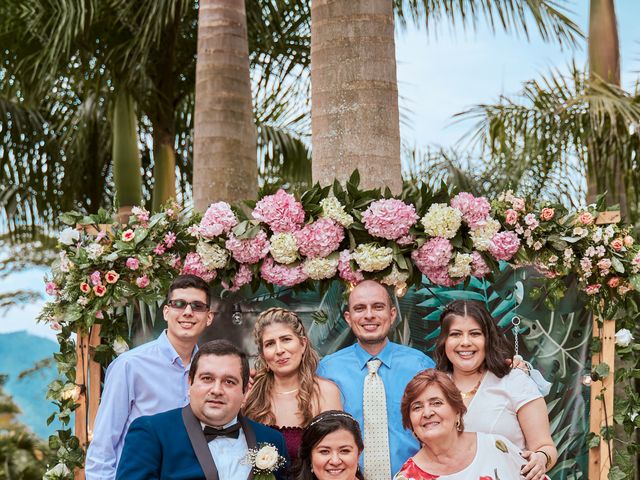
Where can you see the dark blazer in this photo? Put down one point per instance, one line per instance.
(171, 445)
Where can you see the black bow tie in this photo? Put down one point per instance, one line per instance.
(232, 432)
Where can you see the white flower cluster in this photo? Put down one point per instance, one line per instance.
(213, 256)
(442, 221)
(333, 209)
(461, 267)
(58, 472)
(372, 258)
(284, 248)
(396, 278)
(94, 251)
(120, 345)
(69, 236)
(482, 235)
(320, 268)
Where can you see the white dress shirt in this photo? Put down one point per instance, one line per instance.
(229, 455)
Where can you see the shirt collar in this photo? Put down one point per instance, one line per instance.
(168, 351)
(384, 356)
(233, 421)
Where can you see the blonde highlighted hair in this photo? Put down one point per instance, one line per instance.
(258, 404)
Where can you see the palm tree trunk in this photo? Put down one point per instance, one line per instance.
(225, 164)
(354, 116)
(604, 169)
(127, 166)
(164, 169)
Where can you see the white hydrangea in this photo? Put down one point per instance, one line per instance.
(461, 267)
(333, 209)
(442, 221)
(482, 235)
(396, 277)
(372, 258)
(283, 248)
(320, 268)
(213, 256)
(94, 251)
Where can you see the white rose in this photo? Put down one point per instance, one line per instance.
(120, 346)
(267, 458)
(623, 337)
(69, 236)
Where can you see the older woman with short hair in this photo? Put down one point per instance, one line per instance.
(432, 408)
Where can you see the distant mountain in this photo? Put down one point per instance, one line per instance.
(19, 351)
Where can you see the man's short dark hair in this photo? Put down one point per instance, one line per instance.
(221, 348)
(190, 281)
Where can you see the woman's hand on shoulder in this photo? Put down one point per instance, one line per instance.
(330, 398)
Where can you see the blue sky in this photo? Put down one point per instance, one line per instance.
(438, 76)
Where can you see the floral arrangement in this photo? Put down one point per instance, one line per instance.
(264, 460)
(325, 233)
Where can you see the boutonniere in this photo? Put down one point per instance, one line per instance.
(264, 460)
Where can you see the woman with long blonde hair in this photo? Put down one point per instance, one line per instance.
(286, 392)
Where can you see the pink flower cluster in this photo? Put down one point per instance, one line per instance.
(504, 245)
(345, 271)
(281, 211)
(320, 238)
(474, 210)
(242, 278)
(389, 218)
(217, 219)
(432, 259)
(51, 288)
(479, 267)
(250, 250)
(193, 266)
(281, 274)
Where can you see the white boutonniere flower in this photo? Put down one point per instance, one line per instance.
(264, 460)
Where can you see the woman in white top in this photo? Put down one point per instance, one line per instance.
(432, 408)
(498, 399)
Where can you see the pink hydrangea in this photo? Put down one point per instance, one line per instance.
(281, 211)
(436, 253)
(170, 239)
(504, 245)
(440, 276)
(479, 267)
(193, 266)
(345, 271)
(242, 278)
(282, 275)
(250, 250)
(389, 218)
(474, 210)
(217, 219)
(320, 238)
(406, 240)
(132, 263)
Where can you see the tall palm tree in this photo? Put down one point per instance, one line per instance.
(354, 89)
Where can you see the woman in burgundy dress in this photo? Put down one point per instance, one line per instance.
(286, 392)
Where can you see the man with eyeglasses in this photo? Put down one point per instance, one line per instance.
(151, 378)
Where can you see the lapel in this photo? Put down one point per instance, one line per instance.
(249, 435)
(199, 444)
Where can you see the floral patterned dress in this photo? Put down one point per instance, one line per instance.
(496, 459)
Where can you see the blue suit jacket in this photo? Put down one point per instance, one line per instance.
(171, 445)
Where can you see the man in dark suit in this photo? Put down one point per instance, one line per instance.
(207, 438)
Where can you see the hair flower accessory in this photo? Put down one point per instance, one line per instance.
(264, 460)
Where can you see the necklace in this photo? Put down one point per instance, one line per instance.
(287, 393)
(473, 391)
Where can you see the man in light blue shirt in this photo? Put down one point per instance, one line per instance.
(151, 378)
(370, 315)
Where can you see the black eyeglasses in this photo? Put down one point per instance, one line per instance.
(196, 306)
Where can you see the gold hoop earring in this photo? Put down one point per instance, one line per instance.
(458, 425)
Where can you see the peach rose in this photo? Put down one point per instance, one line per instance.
(511, 216)
(85, 287)
(617, 244)
(111, 276)
(99, 290)
(547, 214)
(586, 218)
(614, 282)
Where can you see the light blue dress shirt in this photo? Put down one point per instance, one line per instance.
(348, 369)
(229, 455)
(146, 380)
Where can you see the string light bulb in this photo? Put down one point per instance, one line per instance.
(236, 315)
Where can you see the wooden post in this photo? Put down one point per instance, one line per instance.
(95, 373)
(601, 412)
(82, 368)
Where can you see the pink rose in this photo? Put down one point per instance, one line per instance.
(511, 217)
(614, 282)
(142, 282)
(99, 290)
(586, 218)
(504, 245)
(85, 287)
(617, 244)
(389, 218)
(547, 214)
(95, 278)
(628, 241)
(128, 235)
(592, 289)
(132, 263)
(111, 276)
(518, 204)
